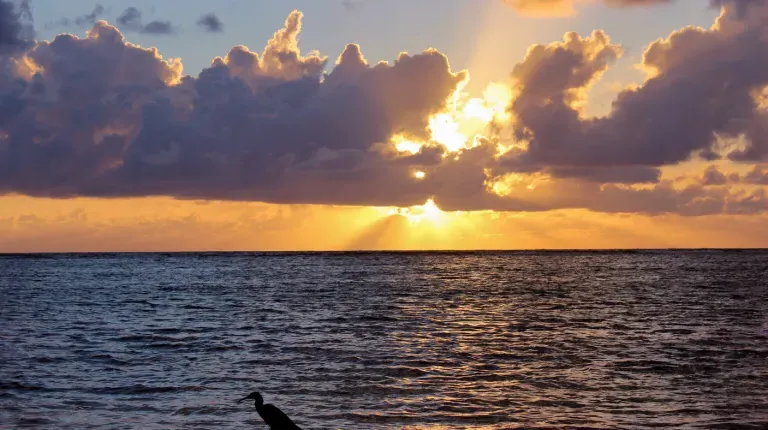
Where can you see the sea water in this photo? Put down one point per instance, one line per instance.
(487, 340)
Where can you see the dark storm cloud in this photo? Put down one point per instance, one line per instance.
(97, 116)
(211, 23)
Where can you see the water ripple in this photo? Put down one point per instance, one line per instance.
(386, 340)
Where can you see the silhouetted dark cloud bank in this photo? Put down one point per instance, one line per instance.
(100, 117)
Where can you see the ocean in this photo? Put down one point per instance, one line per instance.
(453, 340)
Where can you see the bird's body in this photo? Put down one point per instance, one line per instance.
(271, 414)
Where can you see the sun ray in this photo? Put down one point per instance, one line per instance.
(465, 123)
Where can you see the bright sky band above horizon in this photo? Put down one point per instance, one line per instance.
(509, 124)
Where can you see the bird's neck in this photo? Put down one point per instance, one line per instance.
(258, 405)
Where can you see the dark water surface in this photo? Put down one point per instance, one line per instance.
(385, 340)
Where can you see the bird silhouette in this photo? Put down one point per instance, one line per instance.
(271, 414)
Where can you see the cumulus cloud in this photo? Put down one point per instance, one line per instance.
(98, 116)
(703, 89)
(211, 23)
(114, 119)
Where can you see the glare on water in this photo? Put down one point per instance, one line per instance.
(385, 340)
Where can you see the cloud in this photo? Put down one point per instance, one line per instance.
(567, 7)
(100, 117)
(80, 21)
(10, 27)
(243, 127)
(158, 27)
(757, 176)
(351, 4)
(713, 176)
(90, 18)
(15, 24)
(211, 23)
(131, 17)
(132, 20)
(702, 90)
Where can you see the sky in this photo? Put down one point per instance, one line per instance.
(382, 124)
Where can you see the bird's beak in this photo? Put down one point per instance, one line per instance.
(244, 398)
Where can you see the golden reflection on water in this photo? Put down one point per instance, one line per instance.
(389, 340)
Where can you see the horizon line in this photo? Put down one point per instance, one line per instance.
(390, 251)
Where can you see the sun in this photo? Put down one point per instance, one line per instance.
(463, 123)
(428, 212)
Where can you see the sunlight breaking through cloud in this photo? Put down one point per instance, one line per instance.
(465, 122)
(98, 116)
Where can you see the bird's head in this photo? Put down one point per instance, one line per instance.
(254, 396)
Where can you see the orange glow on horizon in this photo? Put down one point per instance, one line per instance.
(164, 224)
(428, 212)
(474, 117)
